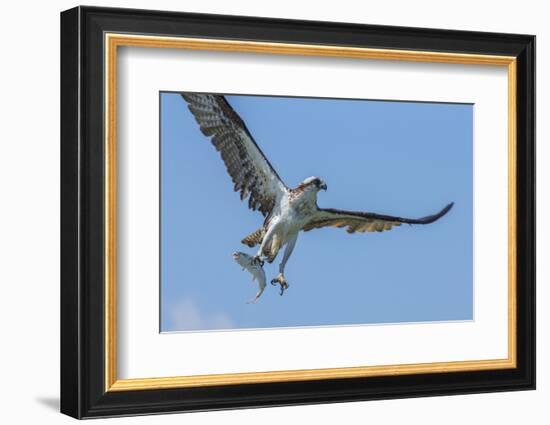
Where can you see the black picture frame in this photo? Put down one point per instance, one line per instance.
(83, 392)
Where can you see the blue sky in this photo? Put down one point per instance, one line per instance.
(399, 158)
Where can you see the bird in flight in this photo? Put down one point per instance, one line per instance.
(286, 211)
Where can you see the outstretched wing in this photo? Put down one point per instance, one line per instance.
(365, 221)
(248, 167)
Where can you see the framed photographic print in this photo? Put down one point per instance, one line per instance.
(261, 212)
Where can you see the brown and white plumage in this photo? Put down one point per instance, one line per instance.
(365, 221)
(286, 211)
(250, 170)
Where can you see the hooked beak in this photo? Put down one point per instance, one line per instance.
(323, 186)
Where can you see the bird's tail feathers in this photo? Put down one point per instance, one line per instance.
(255, 238)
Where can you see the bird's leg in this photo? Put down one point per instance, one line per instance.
(280, 279)
(258, 260)
(258, 257)
(267, 238)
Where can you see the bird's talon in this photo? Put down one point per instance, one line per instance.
(282, 282)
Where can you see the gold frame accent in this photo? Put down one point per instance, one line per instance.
(113, 41)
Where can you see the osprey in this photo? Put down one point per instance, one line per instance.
(286, 211)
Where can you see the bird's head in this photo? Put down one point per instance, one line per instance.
(313, 183)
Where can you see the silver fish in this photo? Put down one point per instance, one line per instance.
(256, 270)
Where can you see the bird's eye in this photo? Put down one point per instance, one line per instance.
(317, 182)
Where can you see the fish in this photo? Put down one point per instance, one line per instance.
(255, 269)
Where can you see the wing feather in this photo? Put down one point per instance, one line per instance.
(364, 221)
(250, 170)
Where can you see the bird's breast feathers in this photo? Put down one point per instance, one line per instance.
(293, 213)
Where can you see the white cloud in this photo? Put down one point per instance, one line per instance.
(186, 316)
